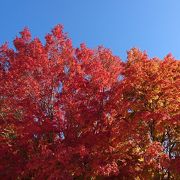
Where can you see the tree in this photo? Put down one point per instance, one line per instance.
(78, 113)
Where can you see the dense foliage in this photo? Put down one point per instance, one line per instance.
(77, 113)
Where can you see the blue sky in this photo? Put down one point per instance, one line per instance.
(151, 25)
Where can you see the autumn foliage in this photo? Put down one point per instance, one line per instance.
(77, 113)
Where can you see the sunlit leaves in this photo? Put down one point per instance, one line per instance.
(69, 113)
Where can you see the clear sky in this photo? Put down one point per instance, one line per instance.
(151, 25)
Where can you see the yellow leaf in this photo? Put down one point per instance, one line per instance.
(141, 159)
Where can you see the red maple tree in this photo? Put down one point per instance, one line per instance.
(78, 113)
